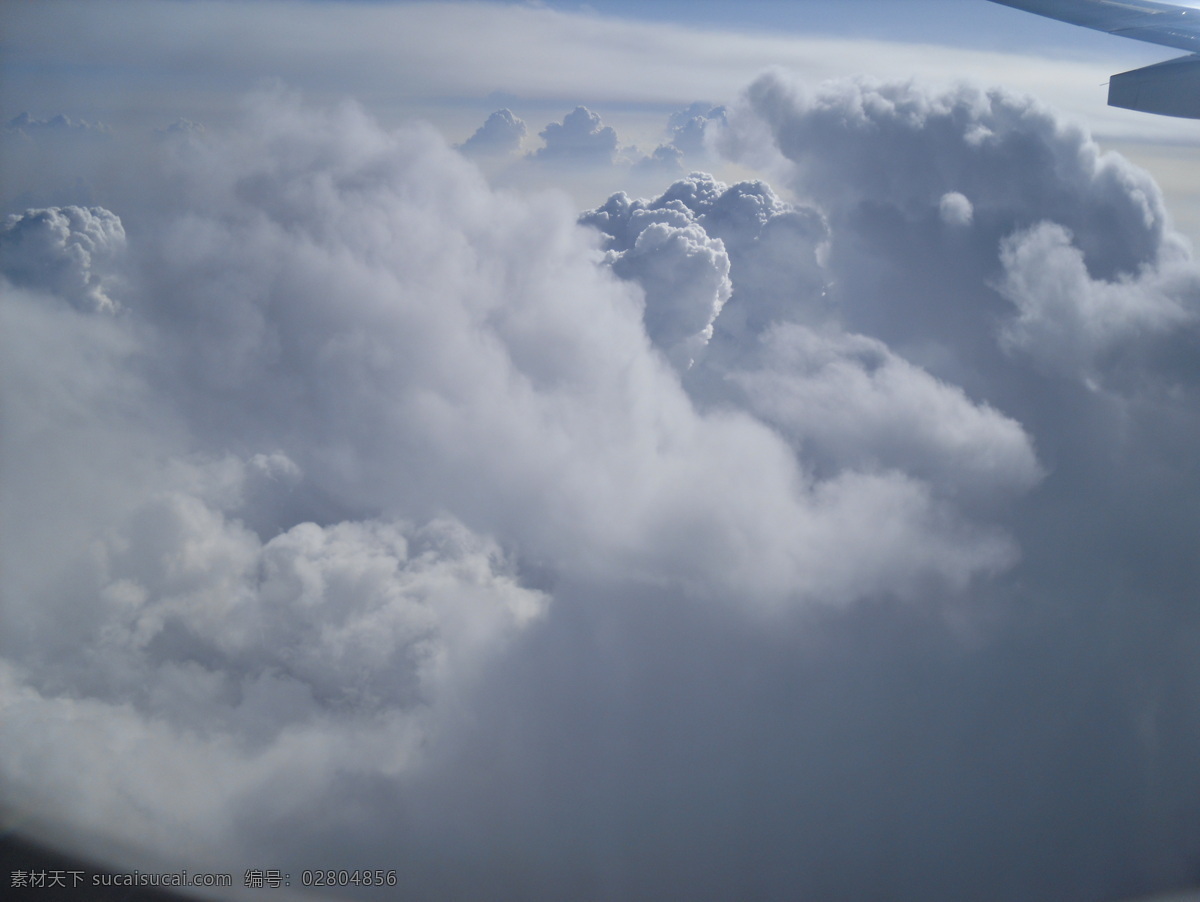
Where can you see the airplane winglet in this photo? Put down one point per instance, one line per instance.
(1170, 88)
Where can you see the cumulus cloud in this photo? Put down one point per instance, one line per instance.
(223, 665)
(1015, 160)
(709, 544)
(844, 400)
(685, 139)
(501, 134)
(69, 252)
(955, 209)
(580, 138)
(355, 617)
(850, 400)
(27, 125)
(682, 270)
(687, 127)
(772, 249)
(1015, 163)
(1066, 318)
(664, 158)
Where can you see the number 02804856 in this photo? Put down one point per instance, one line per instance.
(348, 878)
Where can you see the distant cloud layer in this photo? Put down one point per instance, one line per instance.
(705, 545)
(581, 145)
(501, 134)
(581, 137)
(26, 125)
(688, 127)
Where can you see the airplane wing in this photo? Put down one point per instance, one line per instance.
(1144, 20)
(1171, 88)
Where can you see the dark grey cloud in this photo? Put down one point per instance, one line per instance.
(682, 270)
(720, 546)
(70, 252)
(774, 248)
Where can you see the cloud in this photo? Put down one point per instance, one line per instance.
(26, 125)
(501, 134)
(71, 252)
(222, 665)
(664, 158)
(685, 132)
(182, 128)
(773, 248)
(687, 127)
(683, 272)
(843, 399)
(956, 209)
(466, 50)
(1013, 158)
(580, 138)
(848, 399)
(356, 617)
(1017, 163)
(392, 496)
(1067, 319)
(59, 161)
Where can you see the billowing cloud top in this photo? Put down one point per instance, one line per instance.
(708, 544)
(581, 137)
(71, 251)
(501, 134)
(687, 127)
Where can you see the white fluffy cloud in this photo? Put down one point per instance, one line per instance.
(501, 134)
(956, 209)
(383, 498)
(580, 138)
(849, 400)
(1067, 319)
(687, 128)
